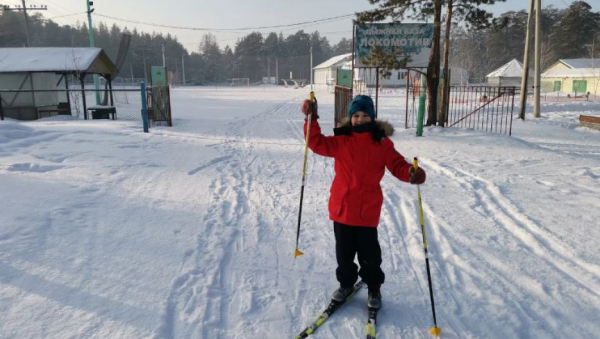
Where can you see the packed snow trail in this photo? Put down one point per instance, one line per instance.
(189, 231)
(476, 200)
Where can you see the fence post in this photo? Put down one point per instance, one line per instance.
(421, 112)
(1, 109)
(144, 107)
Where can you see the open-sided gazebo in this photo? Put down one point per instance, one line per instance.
(34, 81)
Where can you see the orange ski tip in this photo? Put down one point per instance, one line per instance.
(297, 253)
(435, 331)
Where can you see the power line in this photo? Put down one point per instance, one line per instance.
(566, 4)
(42, 19)
(62, 9)
(265, 32)
(225, 29)
(62, 16)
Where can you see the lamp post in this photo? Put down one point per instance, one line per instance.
(593, 63)
(92, 44)
(538, 55)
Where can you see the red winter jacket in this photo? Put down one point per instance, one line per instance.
(360, 163)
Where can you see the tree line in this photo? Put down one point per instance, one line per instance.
(253, 56)
(570, 33)
(477, 42)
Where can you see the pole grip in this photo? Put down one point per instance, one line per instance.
(416, 163)
(312, 96)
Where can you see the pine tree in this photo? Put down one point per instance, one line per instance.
(574, 31)
(211, 53)
(342, 47)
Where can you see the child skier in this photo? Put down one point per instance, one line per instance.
(361, 150)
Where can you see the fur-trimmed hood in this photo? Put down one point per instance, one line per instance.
(379, 129)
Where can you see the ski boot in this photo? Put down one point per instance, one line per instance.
(374, 299)
(342, 293)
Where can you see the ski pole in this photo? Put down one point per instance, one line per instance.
(297, 252)
(435, 330)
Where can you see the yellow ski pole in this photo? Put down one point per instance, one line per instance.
(435, 330)
(297, 252)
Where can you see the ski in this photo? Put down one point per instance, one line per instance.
(372, 323)
(333, 306)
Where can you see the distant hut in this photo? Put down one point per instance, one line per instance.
(510, 74)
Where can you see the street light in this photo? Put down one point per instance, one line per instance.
(89, 5)
(593, 65)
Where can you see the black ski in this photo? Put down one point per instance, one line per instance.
(372, 323)
(333, 306)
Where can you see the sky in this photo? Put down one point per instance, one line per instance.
(230, 14)
(189, 231)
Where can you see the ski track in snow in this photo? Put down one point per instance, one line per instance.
(528, 236)
(498, 270)
(196, 306)
(401, 244)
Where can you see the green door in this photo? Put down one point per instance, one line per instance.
(579, 86)
(557, 86)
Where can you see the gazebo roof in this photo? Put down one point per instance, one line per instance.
(56, 59)
(512, 69)
(338, 59)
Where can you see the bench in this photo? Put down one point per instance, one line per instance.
(63, 108)
(589, 121)
(103, 112)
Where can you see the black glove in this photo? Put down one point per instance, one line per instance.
(310, 107)
(417, 177)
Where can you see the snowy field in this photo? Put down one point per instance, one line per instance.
(189, 231)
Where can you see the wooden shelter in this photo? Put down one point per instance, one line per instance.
(34, 81)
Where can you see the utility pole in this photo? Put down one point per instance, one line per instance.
(311, 68)
(276, 71)
(145, 67)
(183, 68)
(26, 22)
(594, 61)
(525, 78)
(25, 9)
(131, 69)
(538, 56)
(163, 54)
(89, 5)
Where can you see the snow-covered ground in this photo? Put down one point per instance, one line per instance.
(189, 231)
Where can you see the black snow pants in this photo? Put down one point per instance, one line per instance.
(353, 240)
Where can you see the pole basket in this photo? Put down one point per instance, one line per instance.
(435, 331)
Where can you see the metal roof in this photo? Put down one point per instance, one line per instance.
(512, 69)
(580, 63)
(334, 60)
(56, 59)
(573, 73)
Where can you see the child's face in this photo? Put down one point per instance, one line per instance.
(359, 118)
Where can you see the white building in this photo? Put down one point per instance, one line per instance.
(325, 72)
(368, 76)
(509, 74)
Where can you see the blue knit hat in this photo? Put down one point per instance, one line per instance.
(361, 103)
